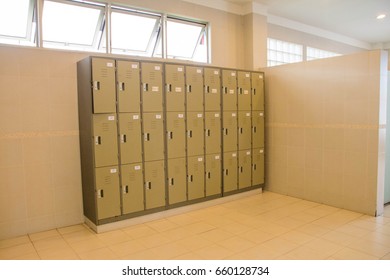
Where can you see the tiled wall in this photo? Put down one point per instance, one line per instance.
(325, 130)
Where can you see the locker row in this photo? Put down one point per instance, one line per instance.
(185, 135)
(133, 188)
(127, 86)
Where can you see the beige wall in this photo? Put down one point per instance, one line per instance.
(325, 130)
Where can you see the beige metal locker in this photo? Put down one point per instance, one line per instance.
(212, 89)
(152, 87)
(105, 140)
(257, 129)
(244, 169)
(128, 86)
(244, 91)
(107, 192)
(194, 89)
(103, 85)
(177, 185)
(154, 184)
(176, 134)
(213, 174)
(195, 133)
(174, 88)
(229, 131)
(130, 138)
(195, 177)
(244, 130)
(257, 91)
(229, 90)
(213, 132)
(257, 166)
(153, 136)
(132, 188)
(230, 164)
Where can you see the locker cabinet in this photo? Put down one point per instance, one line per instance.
(257, 129)
(244, 169)
(153, 136)
(195, 133)
(103, 85)
(213, 174)
(257, 91)
(212, 89)
(230, 164)
(174, 87)
(229, 90)
(213, 132)
(229, 131)
(176, 132)
(130, 138)
(132, 186)
(154, 184)
(128, 86)
(195, 177)
(105, 139)
(194, 89)
(244, 130)
(152, 87)
(257, 166)
(177, 185)
(107, 192)
(244, 91)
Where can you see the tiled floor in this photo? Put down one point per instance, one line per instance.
(263, 226)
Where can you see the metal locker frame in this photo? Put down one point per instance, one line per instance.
(177, 184)
(257, 80)
(132, 187)
(230, 168)
(212, 89)
(258, 166)
(174, 88)
(213, 132)
(244, 90)
(244, 130)
(244, 169)
(213, 179)
(257, 129)
(194, 89)
(130, 137)
(128, 86)
(229, 90)
(176, 135)
(195, 133)
(152, 86)
(195, 177)
(154, 183)
(229, 131)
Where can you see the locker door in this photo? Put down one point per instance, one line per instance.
(103, 90)
(132, 188)
(244, 130)
(257, 166)
(229, 90)
(107, 192)
(244, 91)
(257, 129)
(213, 132)
(212, 92)
(230, 164)
(176, 132)
(105, 140)
(195, 134)
(213, 174)
(152, 98)
(229, 132)
(153, 136)
(244, 169)
(154, 184)
(195, 177)
(130, 138)
(128, 81)
(194, 89)
(257, 91)
(174, 87)
(177, 186)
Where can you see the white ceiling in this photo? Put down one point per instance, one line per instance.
(353, 18)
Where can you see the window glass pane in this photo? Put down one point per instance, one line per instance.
(281, 52)
(182, 39)
(313, 53)
(132, 32)
(70, 24)
(14, 17)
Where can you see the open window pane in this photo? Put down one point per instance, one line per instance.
(73, 26)
(16, 26)
(183, 39)
(133, 33)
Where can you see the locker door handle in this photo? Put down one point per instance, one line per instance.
(240, 90)
(126, 189)
(190, 178)
(241, 130)
(189, 88)
(225, 90)
(171, 181)
(100, 193)
(98, 140)
(241, 169)
(189, 133)
(254, 91)
(147, 137)
(96, 85)
(208, 132)
(209, 175)
(226, 172)
(148, 185)
(146, 87)
(254, 129)
(121, 86)
(169, 88)
(123, 138)
(207, 89)
(170, 134)
(254, 167)
(226, 131)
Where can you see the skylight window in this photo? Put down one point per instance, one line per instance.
(73, 26)
(313, 53)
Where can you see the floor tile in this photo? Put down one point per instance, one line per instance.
(351, 254)
(236, 244)
(58, 254)
(44, 235)
(99, 254)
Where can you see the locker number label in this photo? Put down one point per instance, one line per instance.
(111, 118)
(136, 117)
(134, 66)
(199, 71)
(110, 64)
(137, 167)
(200, 159)
(155, 89)
(158, 117)
(180, 116)
(200, 115)
(113, 170)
